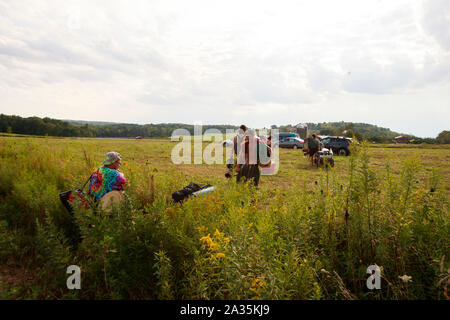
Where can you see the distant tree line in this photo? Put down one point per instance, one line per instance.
(363, 131)
(60, 128)
(63, 128)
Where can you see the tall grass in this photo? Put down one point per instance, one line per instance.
(305, 242)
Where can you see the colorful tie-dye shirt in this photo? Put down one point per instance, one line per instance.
(105, 180)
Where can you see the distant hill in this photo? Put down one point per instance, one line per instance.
(360, 130)
(325, 128)
(92, 123)
(81, 128)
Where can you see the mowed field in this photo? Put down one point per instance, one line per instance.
(305, 233)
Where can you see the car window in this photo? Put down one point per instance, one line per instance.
(326, 140)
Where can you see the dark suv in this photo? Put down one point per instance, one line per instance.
(339, 145)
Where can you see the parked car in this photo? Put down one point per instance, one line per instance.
(285, 135)
(339, 145)
(295, 143)
(139, 137)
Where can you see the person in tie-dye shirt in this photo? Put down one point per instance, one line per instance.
(108, 177)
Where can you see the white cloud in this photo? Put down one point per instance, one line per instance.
(256, 62)
(436, 21)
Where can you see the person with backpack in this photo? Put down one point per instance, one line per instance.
(253, 153)
(237, 141)
(313, 147)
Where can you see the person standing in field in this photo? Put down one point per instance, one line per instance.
(249, 158)
(237, 141)
(107, 182)
(313, 147)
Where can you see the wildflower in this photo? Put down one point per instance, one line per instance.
(207, 239)
(255, 290)
(250, 225)
(405, 278)
(213, 246)
(220, 255)
(218, 234)
(257, 284)
(202, 228)
(226, 240)
(243, 211)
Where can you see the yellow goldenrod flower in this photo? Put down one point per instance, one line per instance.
(202, 228)
(226, 240)
(213, 246)
(257, 283)
(250, 225)
(218, 234)
(206, 239)
(255, 290)
(220, 255)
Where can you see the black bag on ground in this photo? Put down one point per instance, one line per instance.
(183, 194)
(67, 198)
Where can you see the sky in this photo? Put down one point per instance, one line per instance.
(259, 63)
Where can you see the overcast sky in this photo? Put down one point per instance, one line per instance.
(384, 62)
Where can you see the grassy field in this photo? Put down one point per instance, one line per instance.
(305, 233)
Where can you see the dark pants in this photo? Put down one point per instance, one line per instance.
(313, 151)
(249, 171)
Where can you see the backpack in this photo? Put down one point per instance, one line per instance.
(69, 197)
(186, 192)
(313, 143)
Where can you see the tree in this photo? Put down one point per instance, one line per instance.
(327, 132)
(443, 137)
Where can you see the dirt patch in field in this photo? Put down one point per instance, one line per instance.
(14, 275)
